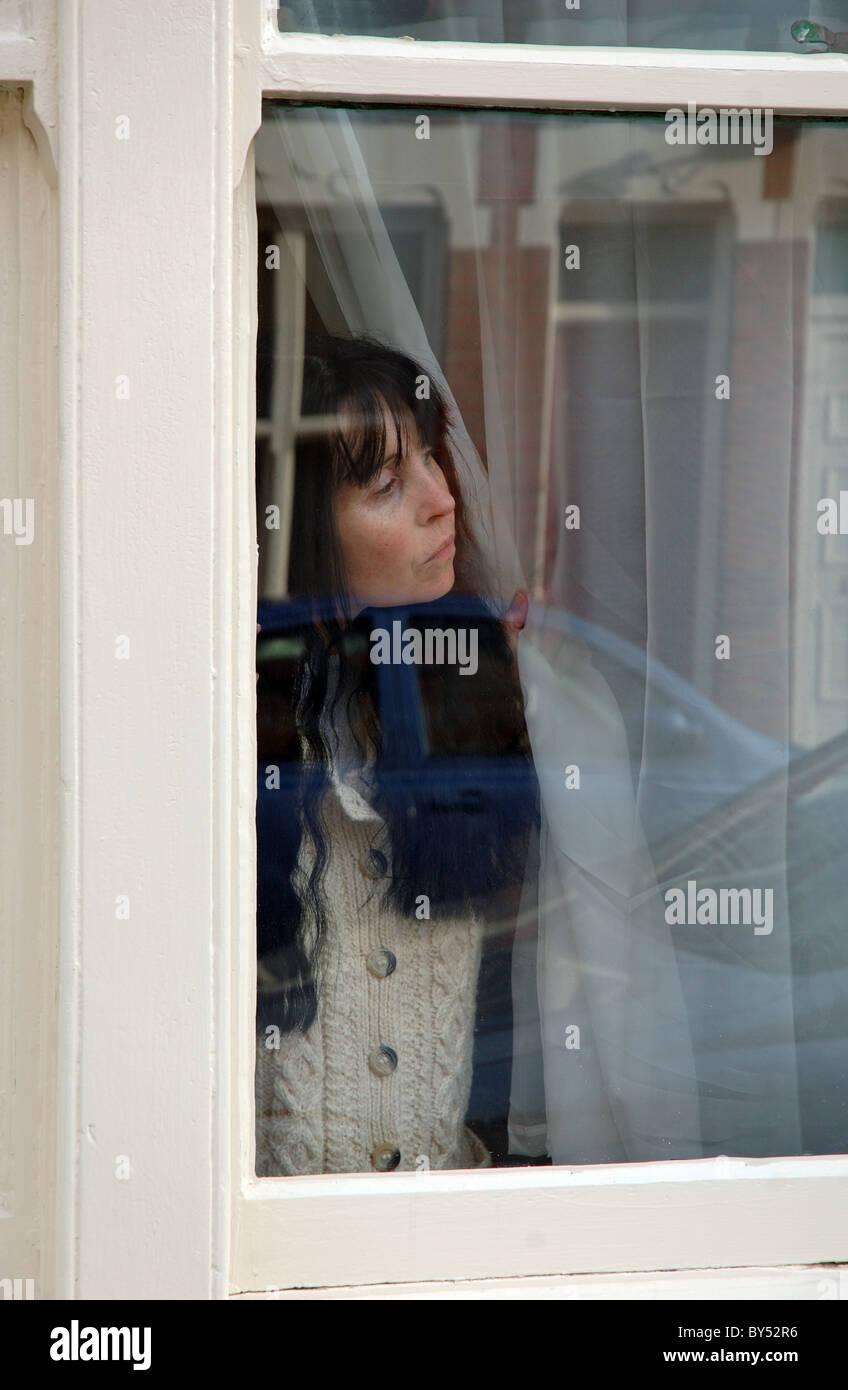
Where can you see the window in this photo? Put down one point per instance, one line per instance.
(691, 232)
(651, 288)
(153, 1069)
(712, 24)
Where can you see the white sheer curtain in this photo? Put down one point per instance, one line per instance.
(739, 984)
(634, 1039)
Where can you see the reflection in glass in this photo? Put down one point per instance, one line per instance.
(636, 355)
(764, 25)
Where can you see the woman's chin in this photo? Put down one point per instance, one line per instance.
(443, 583)
(436, 586)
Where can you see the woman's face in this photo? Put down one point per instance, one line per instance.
(397, 533)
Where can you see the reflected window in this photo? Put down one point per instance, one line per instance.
(751, 25)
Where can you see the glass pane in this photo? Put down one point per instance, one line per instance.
(552, 502)
(764, 25)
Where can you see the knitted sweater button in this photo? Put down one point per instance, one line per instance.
(381, 962)
(385, 1157)
(383, 1060)
(373, 863)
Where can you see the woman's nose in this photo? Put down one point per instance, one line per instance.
(437, 497)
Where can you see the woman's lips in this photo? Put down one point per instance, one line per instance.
(445, 552)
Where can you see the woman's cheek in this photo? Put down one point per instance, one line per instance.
(391, 552)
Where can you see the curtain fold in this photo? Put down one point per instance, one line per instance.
(738, 985)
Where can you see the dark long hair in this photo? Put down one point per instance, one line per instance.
(456, 832)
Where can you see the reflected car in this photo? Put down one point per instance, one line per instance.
(705, 781)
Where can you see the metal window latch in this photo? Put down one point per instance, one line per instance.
(805, 31)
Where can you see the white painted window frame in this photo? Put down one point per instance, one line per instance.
(727, 1212)
(158, 755)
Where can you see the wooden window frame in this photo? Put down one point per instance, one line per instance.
(158, 754)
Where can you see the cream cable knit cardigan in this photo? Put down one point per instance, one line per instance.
(382, 1077)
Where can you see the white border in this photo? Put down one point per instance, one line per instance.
(808, 1283)
(724, 1212)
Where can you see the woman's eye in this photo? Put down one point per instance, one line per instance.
(386, 489)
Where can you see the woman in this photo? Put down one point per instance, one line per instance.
(377, 879)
